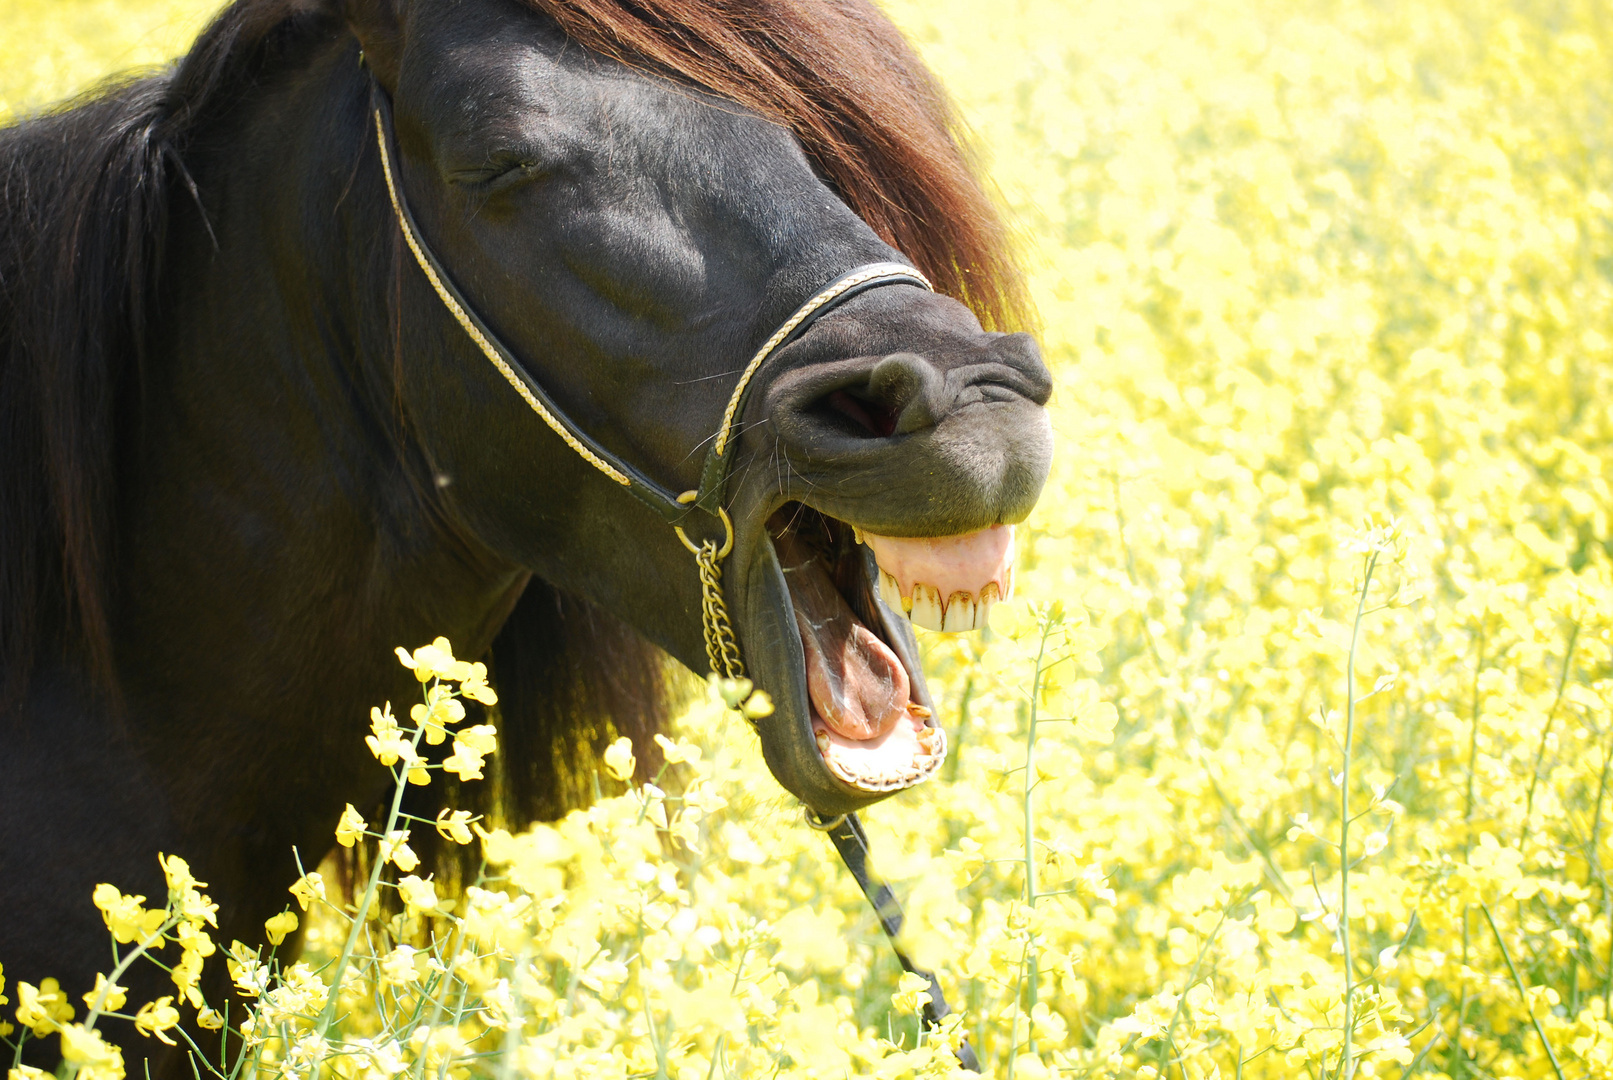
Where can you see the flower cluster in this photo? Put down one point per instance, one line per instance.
(45, 1010)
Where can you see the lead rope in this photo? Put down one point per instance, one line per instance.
(722, 648)
(851, 844)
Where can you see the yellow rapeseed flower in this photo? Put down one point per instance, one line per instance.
(126, 916)
(187, 974)
(474, 686)
(467, 758)
(399, 966)
(435, 661)
(177, 871)
(278, 926)
(308, 888)
(395, 849)
(247, 972)
(419, 895)
(155, 1018)
(482, 738)
(107, 996)
(619, 760)
(676, 753)
(434, 717)
(758, 706)
(912, 993)
(195, 909)
(95, 1058)
(350, 827)
(192, 938)
(43, 1008)
(454, 825)
(386, 740)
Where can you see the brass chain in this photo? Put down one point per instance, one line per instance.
(721, 649)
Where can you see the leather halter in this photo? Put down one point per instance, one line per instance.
(845, 831)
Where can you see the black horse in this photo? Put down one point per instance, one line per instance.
(245, 449)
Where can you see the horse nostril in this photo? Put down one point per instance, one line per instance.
(910, 388)
(866, 414)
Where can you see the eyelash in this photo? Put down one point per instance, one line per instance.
(498, 177)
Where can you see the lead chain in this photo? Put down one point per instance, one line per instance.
(721, 649)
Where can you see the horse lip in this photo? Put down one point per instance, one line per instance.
(776, 660)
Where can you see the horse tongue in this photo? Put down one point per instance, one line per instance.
(857, 684)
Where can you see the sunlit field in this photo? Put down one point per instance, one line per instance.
(1290, 757)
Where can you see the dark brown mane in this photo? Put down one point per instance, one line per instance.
(870, 115)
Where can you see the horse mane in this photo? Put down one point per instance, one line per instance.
(85, 193)
(872, 118)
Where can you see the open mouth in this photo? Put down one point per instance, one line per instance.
(865, 689)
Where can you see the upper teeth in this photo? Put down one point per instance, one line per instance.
(926, 607)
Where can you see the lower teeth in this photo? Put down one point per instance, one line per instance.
(932, 752)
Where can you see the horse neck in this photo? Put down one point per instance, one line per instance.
(278, 528)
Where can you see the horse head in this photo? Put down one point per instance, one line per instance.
(631, 238)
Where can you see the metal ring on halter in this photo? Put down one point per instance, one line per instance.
(813, 821)
(727, 524)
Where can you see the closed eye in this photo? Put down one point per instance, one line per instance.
(502, 172)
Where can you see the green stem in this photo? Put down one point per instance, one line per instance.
(1013, 1045)
(1192, 980)
(1345, 1065)
(1522, 993)
(739, 969)
(716, 1056)
(327, 1016)
(1593, 868)
(123, 965)
(1540, 752)
(459, 1018)
(1417, 1061)
(1467, 844)
(1031, 971)
(960, 727)
(1594, 861)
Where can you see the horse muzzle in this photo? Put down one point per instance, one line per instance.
(897, 508)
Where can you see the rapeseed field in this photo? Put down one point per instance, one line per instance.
(1290, 758)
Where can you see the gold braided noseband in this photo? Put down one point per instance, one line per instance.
(722, 649)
